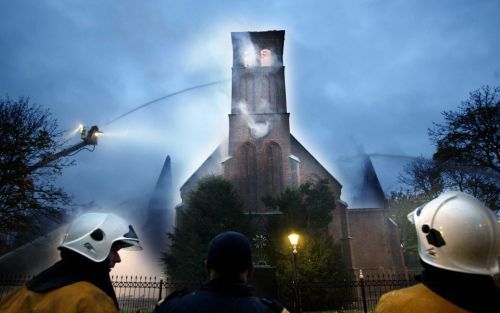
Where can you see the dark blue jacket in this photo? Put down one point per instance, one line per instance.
(218, 296)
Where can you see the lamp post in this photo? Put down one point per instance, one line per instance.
(294, 239)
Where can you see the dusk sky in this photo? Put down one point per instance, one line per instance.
(361, 77)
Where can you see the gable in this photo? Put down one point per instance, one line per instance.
(310, 167)
(211, 166)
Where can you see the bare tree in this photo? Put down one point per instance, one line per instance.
(470, 136)
(28, 134)
(468, 145)
(424, 177)
(467, 151)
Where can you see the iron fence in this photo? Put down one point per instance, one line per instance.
(135, 294)
(139, 294)
(376, 285)
(357, 295)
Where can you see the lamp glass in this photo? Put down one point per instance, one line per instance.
(294, 239)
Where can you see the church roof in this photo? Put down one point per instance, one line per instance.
(160, 216)
(369, 194)
(295, 144)
(211, 166)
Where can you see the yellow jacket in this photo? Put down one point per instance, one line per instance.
(80, 297)
(416, 299)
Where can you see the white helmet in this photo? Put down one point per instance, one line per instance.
(457, 232)
(93, 234)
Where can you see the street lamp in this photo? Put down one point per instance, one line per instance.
(294, 240)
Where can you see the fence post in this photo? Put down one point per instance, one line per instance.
(161, 286)
(363, 294)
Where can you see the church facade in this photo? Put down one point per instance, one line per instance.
(261, 156)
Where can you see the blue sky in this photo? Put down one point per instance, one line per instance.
(362, 76)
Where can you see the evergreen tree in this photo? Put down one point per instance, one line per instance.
(307, 211)
(213, 207)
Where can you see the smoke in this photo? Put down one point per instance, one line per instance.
(361, 153)
(263, 106)
(394, 156)
(355, 174)
(249, 52)
(223, 150)
(258, 129)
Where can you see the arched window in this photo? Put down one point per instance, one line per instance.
(273, 93)
(247, 166)
(274, 169)
(265, 96)
(247, 91)
(295, 171)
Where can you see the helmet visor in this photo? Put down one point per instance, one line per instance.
(129, 240)
(131, 233)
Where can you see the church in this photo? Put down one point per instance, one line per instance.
(262, 157)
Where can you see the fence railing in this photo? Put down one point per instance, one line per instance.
(376, 285)
(138, 294)
(358, 295)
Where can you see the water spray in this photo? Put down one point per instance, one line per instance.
(122, 133)
(89, 137)
(165, 97)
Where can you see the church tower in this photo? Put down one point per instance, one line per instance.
(261, 157)
(259, 132)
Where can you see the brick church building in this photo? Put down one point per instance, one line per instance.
(262, 157)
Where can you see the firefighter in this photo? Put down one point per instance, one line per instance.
(80, 281)
(458, 245)
(229, 264)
